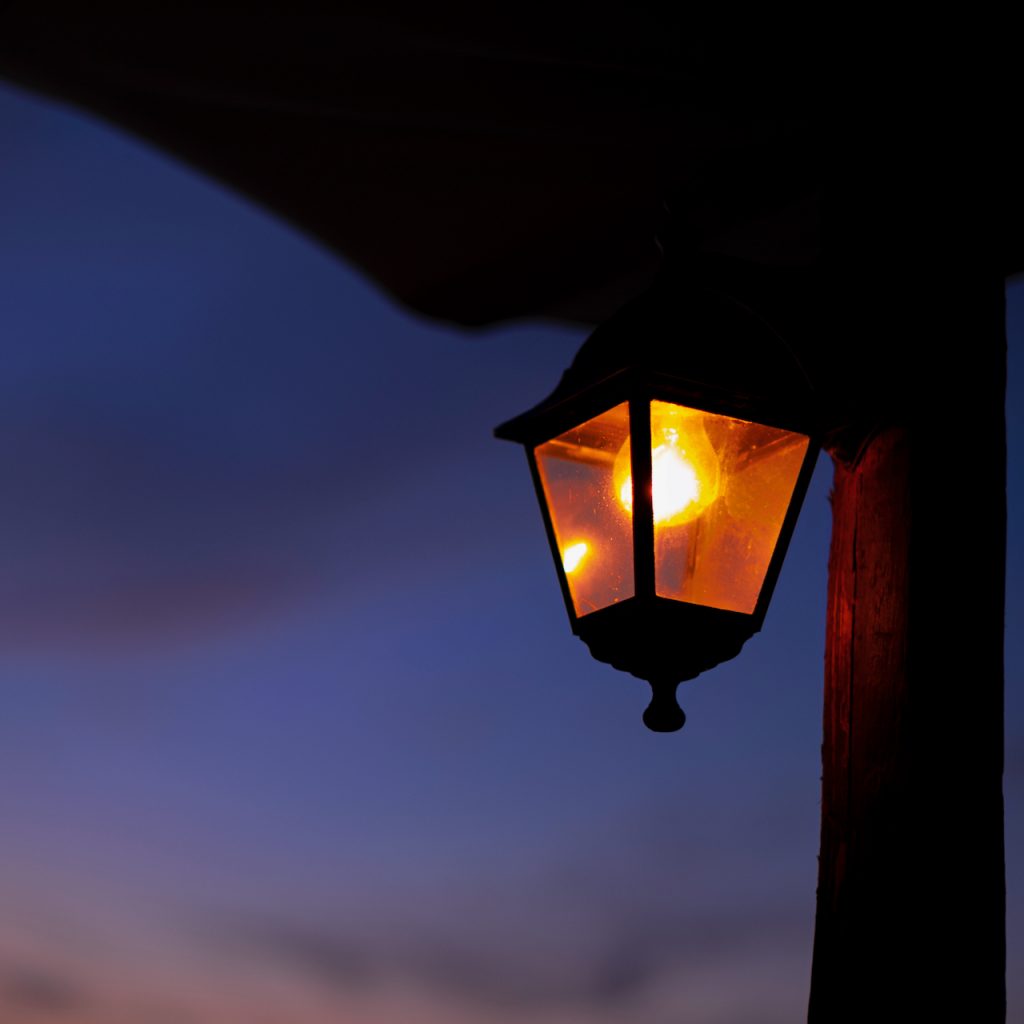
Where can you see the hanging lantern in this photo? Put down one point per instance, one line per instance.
(670, 464)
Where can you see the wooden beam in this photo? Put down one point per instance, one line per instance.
(911, 894)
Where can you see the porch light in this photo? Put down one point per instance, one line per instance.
(670, 465)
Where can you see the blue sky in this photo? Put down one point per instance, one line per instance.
(295, 729)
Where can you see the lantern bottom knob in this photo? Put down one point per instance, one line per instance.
(664, 714)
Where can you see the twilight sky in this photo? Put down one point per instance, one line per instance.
(294, 728)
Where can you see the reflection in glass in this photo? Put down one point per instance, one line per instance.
(723, 503)
(593, 526)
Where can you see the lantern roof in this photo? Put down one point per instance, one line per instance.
(690, 338)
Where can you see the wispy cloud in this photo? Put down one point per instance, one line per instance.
(43, 991)
(619, 973)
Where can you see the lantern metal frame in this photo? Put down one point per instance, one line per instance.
(663, 640)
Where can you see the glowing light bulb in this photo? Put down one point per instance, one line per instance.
(685, 475)
(573, 556)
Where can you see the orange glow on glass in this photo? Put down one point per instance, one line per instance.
(719, 519)
(593, 531)
(574, 555)
(684, 466)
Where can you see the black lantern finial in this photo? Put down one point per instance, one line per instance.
(664, 714)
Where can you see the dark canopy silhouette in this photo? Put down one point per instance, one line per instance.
(480, 163)
(485, 162)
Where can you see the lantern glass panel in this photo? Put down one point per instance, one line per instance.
(593, 526)
(721, 487)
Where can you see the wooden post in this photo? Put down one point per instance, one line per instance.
(911, 893)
